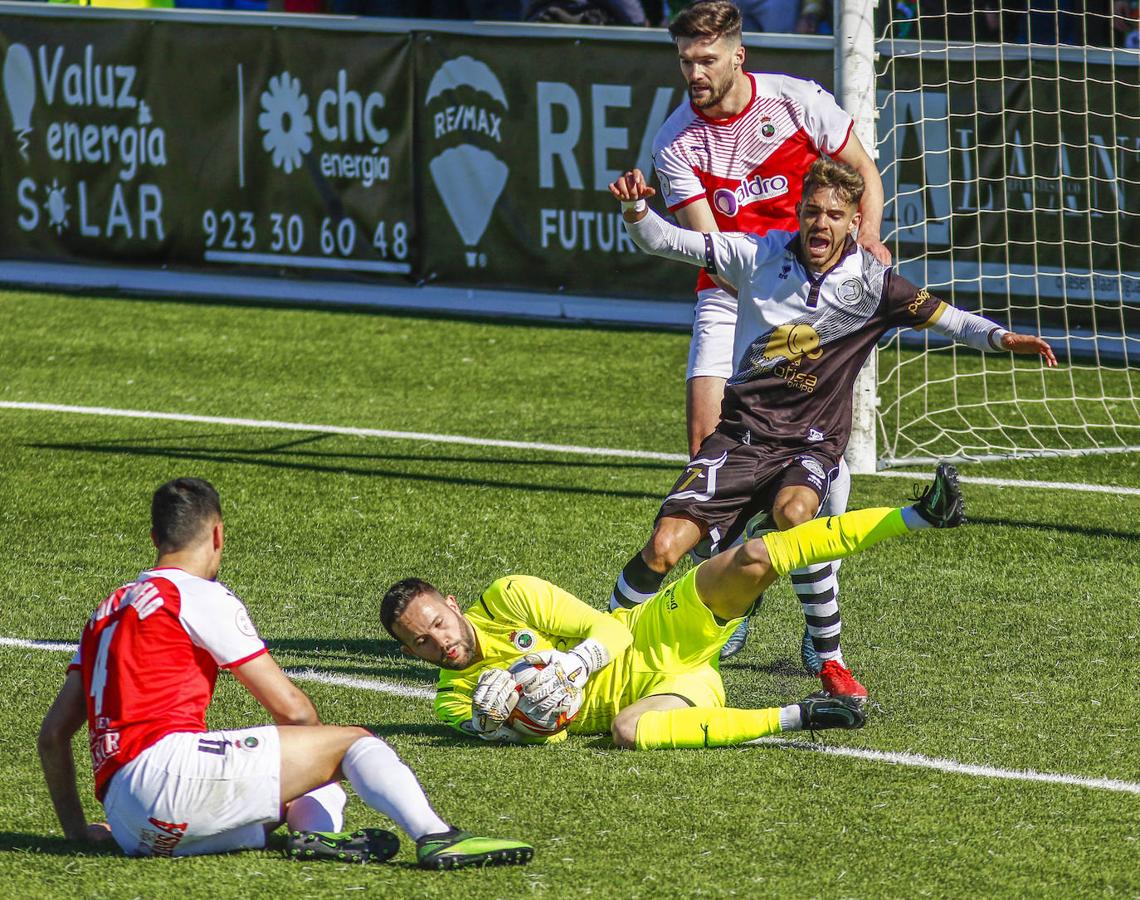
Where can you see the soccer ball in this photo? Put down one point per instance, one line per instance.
(541, 720)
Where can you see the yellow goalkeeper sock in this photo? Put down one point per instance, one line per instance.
(704, 727)
(822, 540)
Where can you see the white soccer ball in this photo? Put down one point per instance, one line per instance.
(542, 719)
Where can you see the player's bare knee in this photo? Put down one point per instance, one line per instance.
(752, 554)
(665, 548)
(794, 511)
(624, 732)
(350, 734)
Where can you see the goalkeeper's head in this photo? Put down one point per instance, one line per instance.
(828, 212)
(429, 625)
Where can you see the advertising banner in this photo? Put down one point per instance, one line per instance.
(516, 141)
(206, 147)
(1026, 181)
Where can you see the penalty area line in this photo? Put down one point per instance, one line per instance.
(911, 760)
(918, 761)
(426, 437)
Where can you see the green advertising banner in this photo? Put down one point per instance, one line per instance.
(206, 147)
(516, 141)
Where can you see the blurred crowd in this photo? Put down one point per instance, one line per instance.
(1101, 23)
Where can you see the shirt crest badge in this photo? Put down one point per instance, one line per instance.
(523, 639)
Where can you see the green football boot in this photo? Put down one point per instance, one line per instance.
(456, 849)
(368, 845)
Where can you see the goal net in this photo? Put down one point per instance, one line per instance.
(1009, 143)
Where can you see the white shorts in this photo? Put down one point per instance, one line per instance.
(197, 792)
(714, 328)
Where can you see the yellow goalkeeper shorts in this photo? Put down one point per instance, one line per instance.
(676, 646)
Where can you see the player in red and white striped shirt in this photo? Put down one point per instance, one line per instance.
(142, 680)
(733, 159)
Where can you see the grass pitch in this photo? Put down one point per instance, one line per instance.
(1008, 644)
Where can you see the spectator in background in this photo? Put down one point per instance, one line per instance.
(1126, 24)
(814, 18)
(595, 12)
(779, 16)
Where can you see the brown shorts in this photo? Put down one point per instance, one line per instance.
(728, 477)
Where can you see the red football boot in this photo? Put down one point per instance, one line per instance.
(839, 682)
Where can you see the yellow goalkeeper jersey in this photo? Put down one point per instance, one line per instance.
(520, 614)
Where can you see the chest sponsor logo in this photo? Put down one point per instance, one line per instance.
(523, 639)
(751, 190)
(793, 341)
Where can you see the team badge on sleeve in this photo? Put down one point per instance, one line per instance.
(244, 623)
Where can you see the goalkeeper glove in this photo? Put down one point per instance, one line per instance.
(492, 701)
(562, 671)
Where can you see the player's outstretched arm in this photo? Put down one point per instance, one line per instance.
(652, 233)
(66, 716)
(1028, 345)
(271, 687)
(986, 335)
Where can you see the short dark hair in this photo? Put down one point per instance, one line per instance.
(397, 598)
(831, 173)
(707, 19)
(180, 510)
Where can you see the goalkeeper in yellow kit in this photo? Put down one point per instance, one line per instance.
(648, 674)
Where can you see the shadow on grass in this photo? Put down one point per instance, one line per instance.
(435, 734)
(384, 659)
(563, 461)
(1056, 527)
(258, 458)
(783, 666)
(21, 841)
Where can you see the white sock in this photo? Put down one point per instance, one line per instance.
(318, 810)
(790, 718)
(913, 520)
(385, 783)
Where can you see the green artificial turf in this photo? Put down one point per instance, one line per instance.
(1009, 643)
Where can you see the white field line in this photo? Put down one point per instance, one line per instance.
(912, 760)
(363, 684)
(1021, 483)
(490, 442)
(340, 429)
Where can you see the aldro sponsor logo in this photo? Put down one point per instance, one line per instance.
(466, 107)
(73, 110)
(751, 190)
(341, 117)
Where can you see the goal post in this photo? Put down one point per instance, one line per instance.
(855, 90)
(1012, 179)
